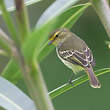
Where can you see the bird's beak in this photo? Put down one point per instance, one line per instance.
(50, 42)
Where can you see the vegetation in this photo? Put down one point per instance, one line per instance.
(27, 48)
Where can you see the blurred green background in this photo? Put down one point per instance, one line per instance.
(55, 73)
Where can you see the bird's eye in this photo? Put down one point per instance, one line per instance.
(56, 35)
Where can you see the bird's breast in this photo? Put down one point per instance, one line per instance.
(75, 68)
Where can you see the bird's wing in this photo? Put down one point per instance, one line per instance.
(82, 58)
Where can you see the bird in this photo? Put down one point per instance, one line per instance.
(74, 53)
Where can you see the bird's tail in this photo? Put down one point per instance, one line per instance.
(94, 82)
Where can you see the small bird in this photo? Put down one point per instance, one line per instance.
(74, 53)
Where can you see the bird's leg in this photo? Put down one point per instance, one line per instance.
(71, 78)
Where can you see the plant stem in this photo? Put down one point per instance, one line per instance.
(3, 53)
(31, 71)
(35, 83)
(40, 94)
(36, 86)
(9, 22)
(103, 11)
(5, 42)
(22, 19)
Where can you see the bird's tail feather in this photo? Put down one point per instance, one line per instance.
(94, 82)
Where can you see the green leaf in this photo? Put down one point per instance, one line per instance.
(45, 50)
(67, 19)
(4, 45)
(12, 98)
(9, 22)
(9, 71)
(12, 72)
(33, 44)
(54, 10)
(70, 16)
(11, 7)
(38, 37)
(78, 81)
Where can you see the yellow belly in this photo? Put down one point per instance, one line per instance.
(75, 68)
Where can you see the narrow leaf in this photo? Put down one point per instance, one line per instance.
(9, 22)
(10, 69)
(11, 98)
(34, 42)
(41, 34)
(54, 10)
(78, 81)
(10, 6)
(66, 19)
(45, 50)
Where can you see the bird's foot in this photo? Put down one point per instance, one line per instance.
(70, 82)
(70, 79)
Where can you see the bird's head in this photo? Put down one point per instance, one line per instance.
(57, 36)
